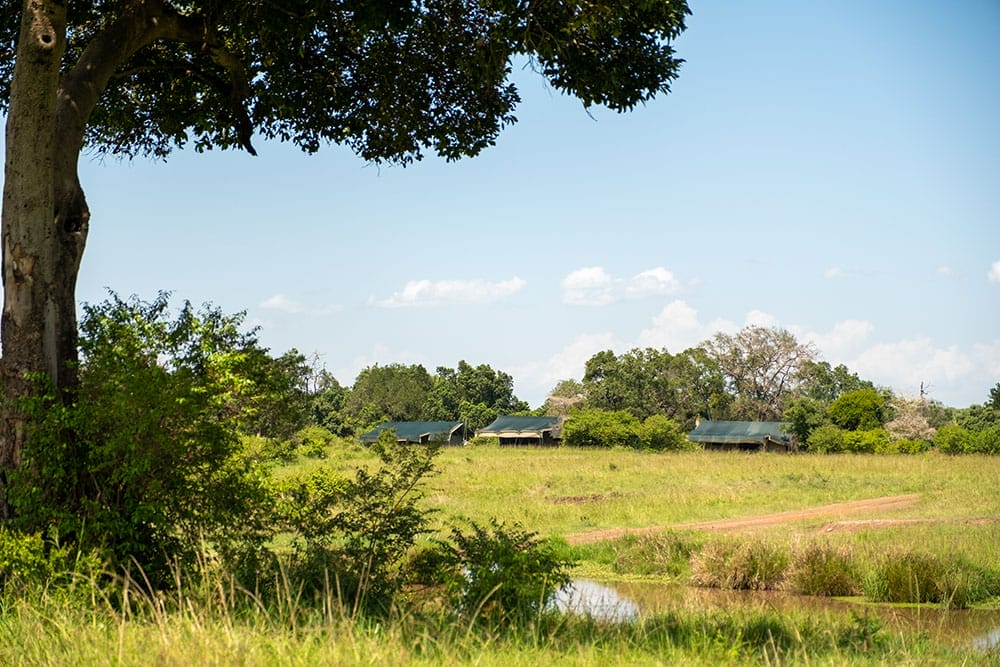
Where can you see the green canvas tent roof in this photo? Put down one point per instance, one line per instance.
(520, 427)
(415, 431)
(734, 432)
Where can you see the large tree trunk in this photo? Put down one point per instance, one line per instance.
(40, 249)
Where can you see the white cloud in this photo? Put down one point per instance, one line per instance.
(945, 271)
(568, 362)
(834, 273)
(994, 273)
(593, 286)
(677, 328)
(653, 282)
(282, 303)
(590, 286)
(905, 364)
(758, 318)
(451, 292)
(844, 340)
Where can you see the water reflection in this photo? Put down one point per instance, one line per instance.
(589, 598)
(627, 601)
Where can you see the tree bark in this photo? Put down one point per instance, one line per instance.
(33, 325)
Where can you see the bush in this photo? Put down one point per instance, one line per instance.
(501, 575)
(601, 428)
(147, 464)
(313, 441)
(661, 433)
(740, 565)
(986, 441)
(353, 534)
(952, 439)
(826, 439)
(867, 442)
(859, 410)
(821, 569)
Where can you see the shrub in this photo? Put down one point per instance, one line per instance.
(740, 565)
(313, 441)
(952, 439)
(501, 575)
(826, 439)
(355, 533)
(867, 442)
(821, 569)
(862, 409)
(601, 428)
(661, 433)
(147, 464)
(986, 441)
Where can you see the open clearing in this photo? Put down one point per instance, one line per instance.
(835, 510)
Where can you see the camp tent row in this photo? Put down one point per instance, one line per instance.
(510, 430)
(516, 430)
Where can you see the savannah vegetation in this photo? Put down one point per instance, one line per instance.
(171, 491)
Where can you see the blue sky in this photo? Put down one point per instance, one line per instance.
(828, 167)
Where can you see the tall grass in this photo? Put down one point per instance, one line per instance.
(212, 621)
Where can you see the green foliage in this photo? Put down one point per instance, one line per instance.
(313, 441)
(826, 439)
(762, 369)
(147, 464)
(601, 428)
(648, 382)
(977, 418)
(475, 395)
(740, 565)
(822, 383)
(389, 393)
(501, 575)
(986, 441)
(27, 557)
(804, 415)
(952, 439)
(352, 534)
(859, 410)
(874, 441)
(659, 433)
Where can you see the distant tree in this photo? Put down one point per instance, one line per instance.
(394, 392)
(909, 420)
(804, 415)
(858, 410)
(475, 395)
(564, 397)
(820, 382)
(977, 418)
(762, 367)
(328, 405)
(649, 382)
(994, 401)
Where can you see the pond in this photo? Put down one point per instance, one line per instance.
(621, 601)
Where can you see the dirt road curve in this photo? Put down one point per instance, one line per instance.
(836, 510)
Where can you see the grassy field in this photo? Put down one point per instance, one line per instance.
(561, 492)
(558, 493)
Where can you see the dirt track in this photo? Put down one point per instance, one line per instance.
(836, 510)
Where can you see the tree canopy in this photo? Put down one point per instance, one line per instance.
(391, 79)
